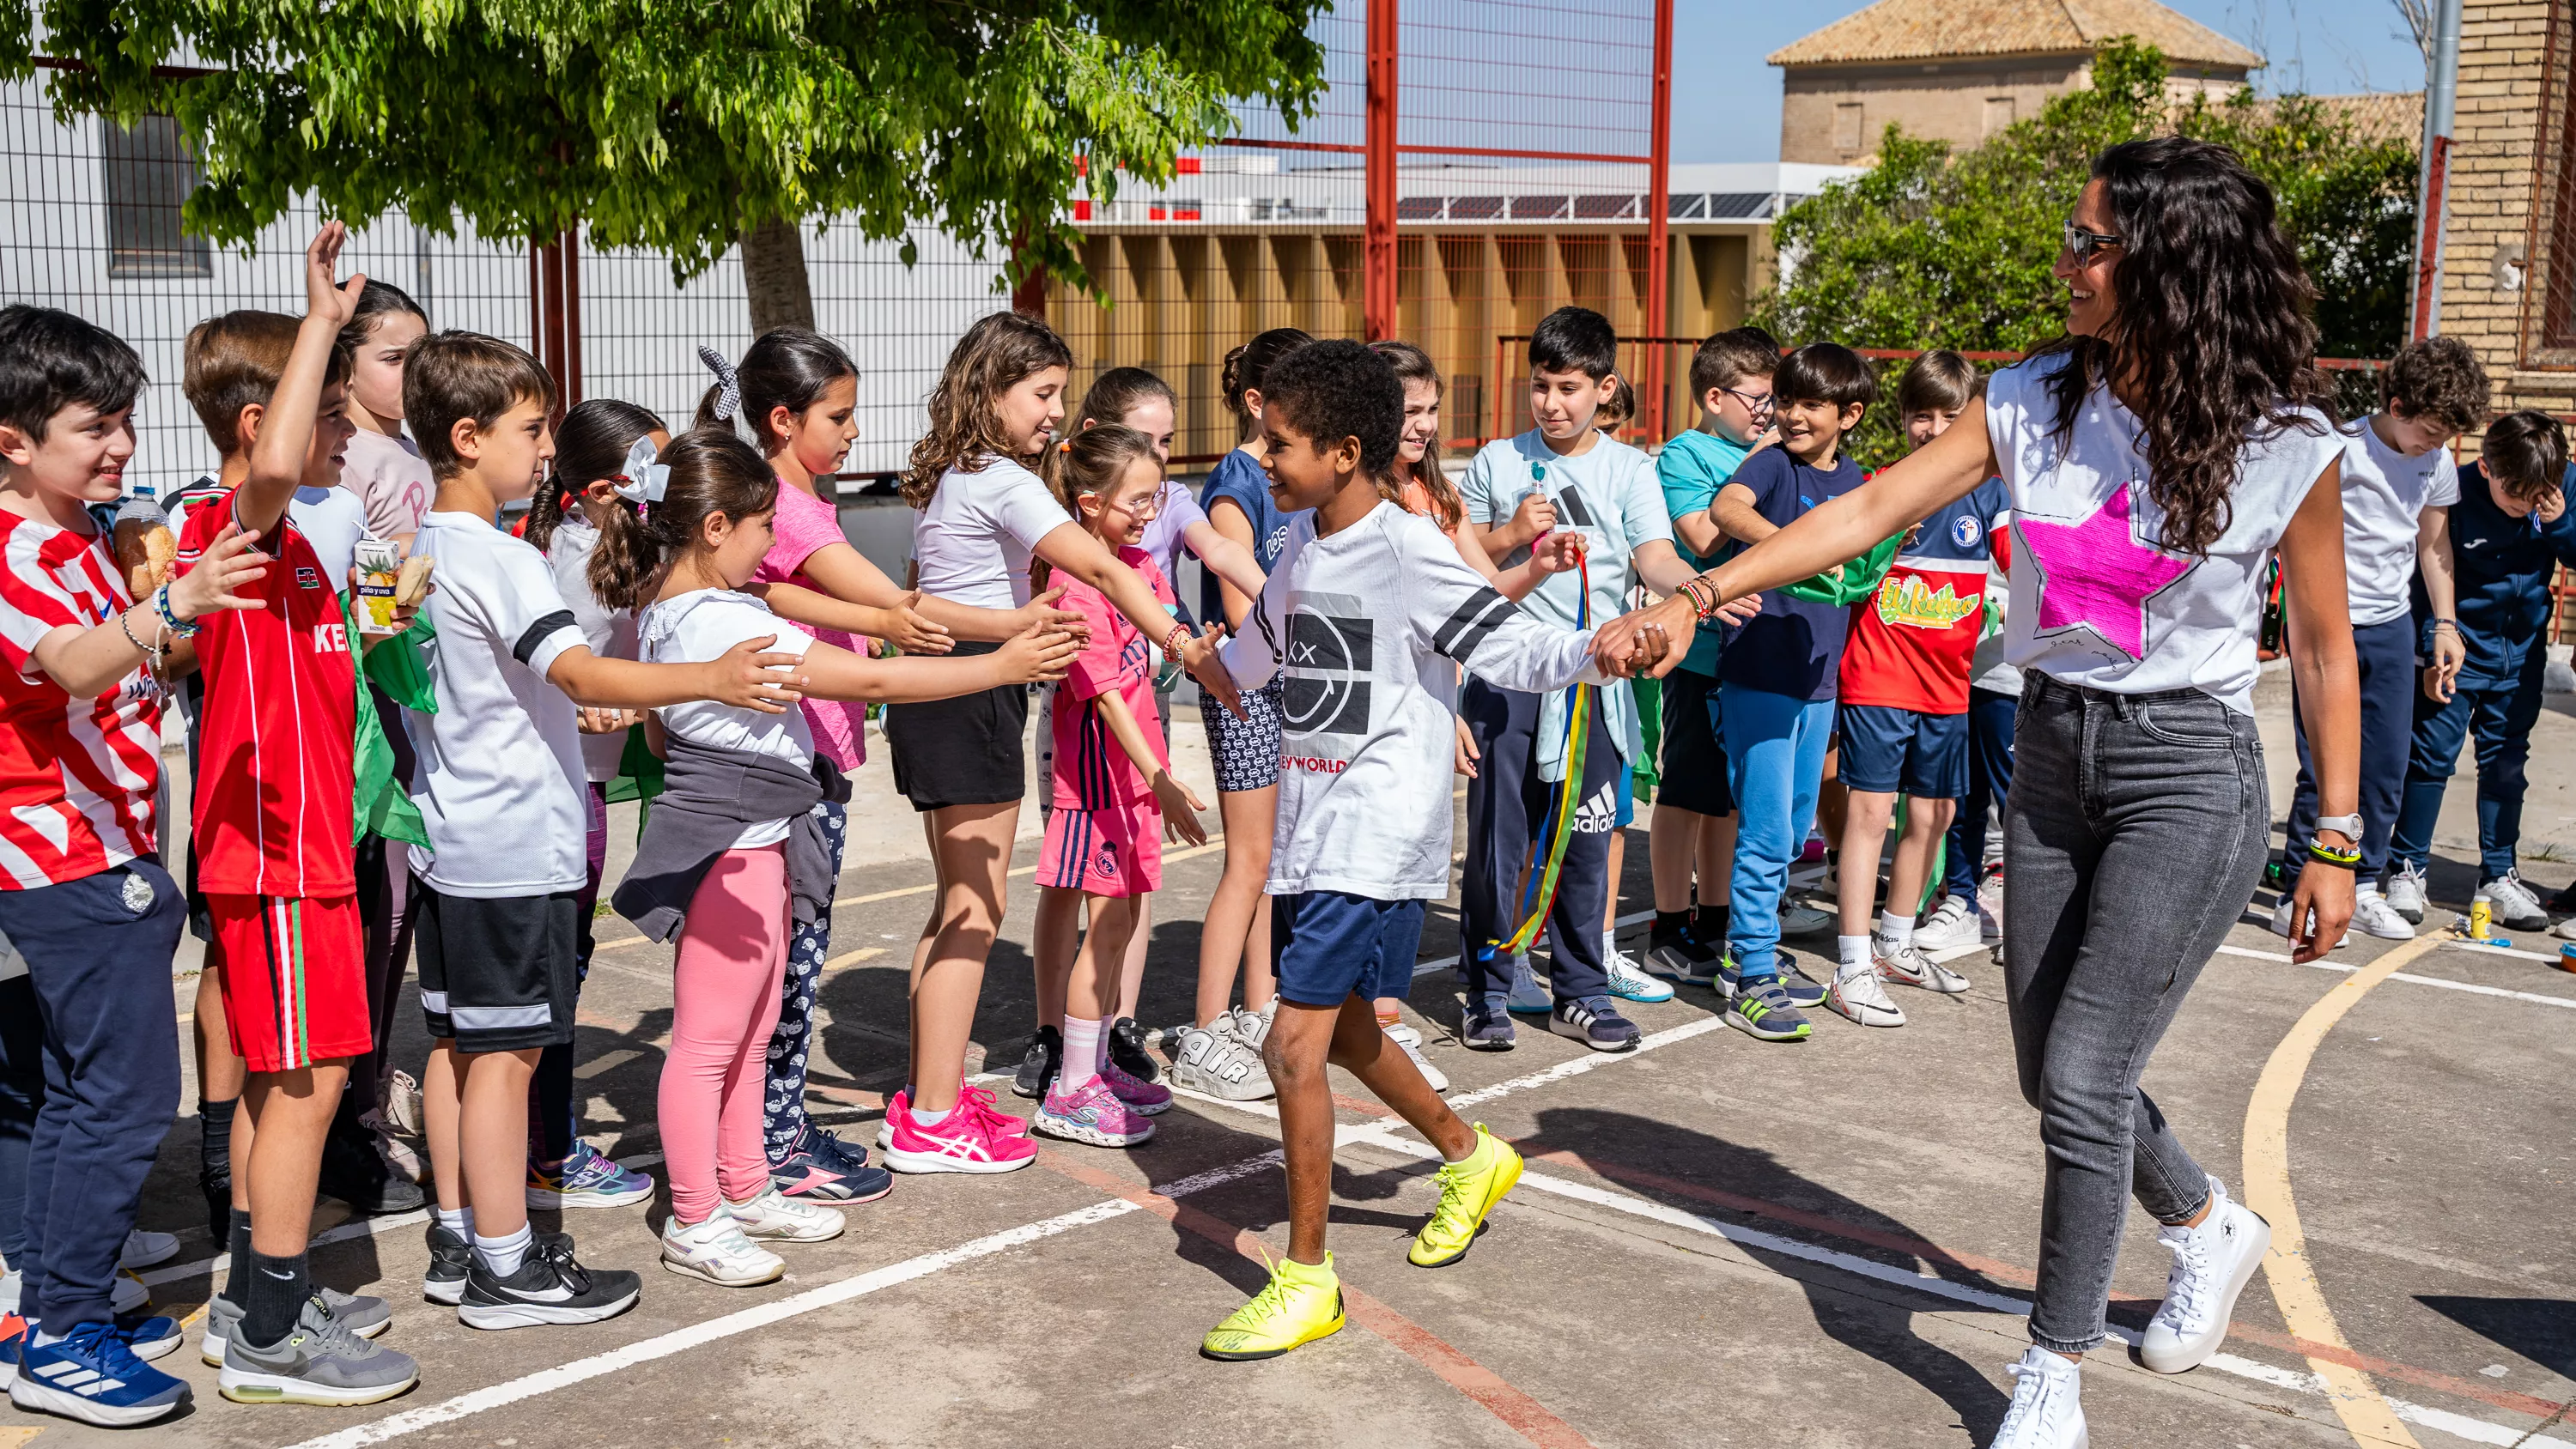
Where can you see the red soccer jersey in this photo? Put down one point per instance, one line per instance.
(277, 735)
(77, 776)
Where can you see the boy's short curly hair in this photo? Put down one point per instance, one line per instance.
(2525, 454)
(1337, 389)
(2437, 377)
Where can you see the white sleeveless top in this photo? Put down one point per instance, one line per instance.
(2094, 601)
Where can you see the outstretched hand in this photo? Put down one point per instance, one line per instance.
(907, 630)
(229, 564)
(746, 677)
(325, 296)
(1199, 657)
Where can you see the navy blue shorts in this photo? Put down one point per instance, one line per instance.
(1328, 947)
(1890, 751)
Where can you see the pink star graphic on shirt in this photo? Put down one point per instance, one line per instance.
(2095, 573)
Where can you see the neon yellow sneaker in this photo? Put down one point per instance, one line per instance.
(1468, 1191)
(1302, 1303)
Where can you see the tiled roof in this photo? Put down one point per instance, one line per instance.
(2381, 115)
(1940, 29)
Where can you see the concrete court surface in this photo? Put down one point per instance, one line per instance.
(1719, 1241)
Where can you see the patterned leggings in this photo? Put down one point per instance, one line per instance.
(783, 1111)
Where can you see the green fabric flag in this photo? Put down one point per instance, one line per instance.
(639, 771)
(1857, 581)
(397, 669)
(384, 805)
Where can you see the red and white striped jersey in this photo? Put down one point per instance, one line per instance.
(277, 734)
(77, 776)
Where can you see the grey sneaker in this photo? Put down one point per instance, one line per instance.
(1214, 1062)
(2516, 908)
(1797, 919)
(321, 1361)
(1252, 1028)
(356, 1312)
(1526, 996)
(2406, 893)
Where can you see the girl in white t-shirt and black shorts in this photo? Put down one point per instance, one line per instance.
(964, 762)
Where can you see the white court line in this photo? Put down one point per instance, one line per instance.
(2414, 980)
(682, 1339)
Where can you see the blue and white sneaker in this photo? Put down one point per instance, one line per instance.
(1488, 1028)
(1628, 982)
(823, 1168)
(1527, 997)
(93, 1376)
(1805, 992)
(150, 1336)
(1762, 1010)
(586, 1179)
(1596, 1023)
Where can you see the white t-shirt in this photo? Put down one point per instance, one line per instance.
(1365, 624)
(699, 626)
(332, 520)
(500, 782)
(2094, 601)
(974, 539)
(611, 632)
(2385, 494)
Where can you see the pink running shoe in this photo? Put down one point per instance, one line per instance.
(1092, 1114)
(985, 1102)
(965, 1142)
(1144, 1098)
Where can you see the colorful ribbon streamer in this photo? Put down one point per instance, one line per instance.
(1558, 828)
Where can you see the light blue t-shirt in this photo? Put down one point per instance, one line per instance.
(1692, 468)
(1609, 492)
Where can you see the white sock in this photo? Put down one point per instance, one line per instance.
(502, 1256)
(43, 1338)
(1082, 1048)
(1854, 951)
(2366, 888)
(460, 1221)
(923, 1118)
(1895, 930)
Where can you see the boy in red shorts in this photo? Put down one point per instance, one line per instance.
(273, 822)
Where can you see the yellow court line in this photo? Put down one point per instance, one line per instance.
(2365, 1412)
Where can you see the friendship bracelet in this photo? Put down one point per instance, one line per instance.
(2348, 859)
(151, 655)
(178, 627)
(1172, 641)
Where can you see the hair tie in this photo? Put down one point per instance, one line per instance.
(728, 386)
(640, 479)
(1065, 447)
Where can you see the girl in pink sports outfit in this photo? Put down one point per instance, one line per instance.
(1114, 798)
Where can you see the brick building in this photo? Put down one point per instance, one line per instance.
(1961, 70)
(2509, 269)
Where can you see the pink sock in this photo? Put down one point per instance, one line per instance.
(1083, 1041)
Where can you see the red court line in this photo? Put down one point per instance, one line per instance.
(1527, 1416)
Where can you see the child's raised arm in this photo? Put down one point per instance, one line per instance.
(743, 676)
(915, 622)
(278, 456)
(1036, 655)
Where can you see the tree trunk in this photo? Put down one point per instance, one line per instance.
(773, 273)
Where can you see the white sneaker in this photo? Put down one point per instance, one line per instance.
(1438, 1079)
(717, 1251)
(1214, 1062)
(1856, 993)
(2516, 908)
(2372, 916)
(2406, 893)
(1803, 920)
(2047, 1411)
(145, 1250)
(2281, 924)
(1629, 981)
(1990, 906)
(1252, 1028)
(2212, 1264)
(1907, 965)
(1952, 923)
(398, 1104)
(1403, 1034)
(2565, 930)
(775, 1217)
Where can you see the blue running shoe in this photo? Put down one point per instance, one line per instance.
(149, 1336)
(586, 1179)
(1528, 997)
(1804, 991)
(1762, 1010)
(93, 1377)
(823, 1168)
(13, 1337)
(1488, 1027)
(1727, 978)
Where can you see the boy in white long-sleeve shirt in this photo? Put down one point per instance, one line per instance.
(1365, 610)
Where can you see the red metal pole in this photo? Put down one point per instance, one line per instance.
(1659, 223)
(1377, 288)
(2428, 251)
(572, 314)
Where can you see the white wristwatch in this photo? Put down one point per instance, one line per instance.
(2348, 826)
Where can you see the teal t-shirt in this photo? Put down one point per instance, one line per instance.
(1692, 468)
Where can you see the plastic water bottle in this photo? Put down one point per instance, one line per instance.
(2481, 916)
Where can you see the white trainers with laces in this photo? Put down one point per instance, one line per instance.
(1252, 1028)
(1857, 993)
(2406, 892)
(1908, 966)
(2372, 916)
(1952, 923)
(1629, 981)
(1214, 1062)
(2212, 1264)
(2516, 908)
(717, 1251)
(782, 1219)
(2047, 1408)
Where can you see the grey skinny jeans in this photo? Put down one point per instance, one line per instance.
(2135, 833)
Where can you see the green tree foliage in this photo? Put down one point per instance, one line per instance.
(1933, 248)
(680, 125)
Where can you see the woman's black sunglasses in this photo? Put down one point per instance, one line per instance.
(2082, 244)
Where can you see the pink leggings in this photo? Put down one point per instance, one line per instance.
(725, 996)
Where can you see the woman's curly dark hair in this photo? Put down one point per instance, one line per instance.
(2212, 337)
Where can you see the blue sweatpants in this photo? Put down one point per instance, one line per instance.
(1505, 803)
(1775, 763)
(1990, 771)
(2390, 684)
(2499, 718)
(98, 952)
(22, 1093)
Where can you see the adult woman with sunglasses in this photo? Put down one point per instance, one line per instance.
(2157, 455)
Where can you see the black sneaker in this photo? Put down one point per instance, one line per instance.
(1678, 956)
(549, 1288)
(1038, 1065)
(357, 1174)
(218, 1192)
(1127, 1049)
(449, 1257)
(1594, 1021)
(1488, 1027)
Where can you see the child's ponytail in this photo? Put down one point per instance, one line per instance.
(591, 445)
(965, 427)
(1248, 364)
(1093, 461)
(664, 503)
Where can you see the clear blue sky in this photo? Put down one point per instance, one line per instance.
(1726, 102)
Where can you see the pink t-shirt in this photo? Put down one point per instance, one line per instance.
(806, 524)
(1091, 771)
(389, 477)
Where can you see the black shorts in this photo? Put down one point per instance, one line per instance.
(971, 750)
(497, 974)
(1693, 773)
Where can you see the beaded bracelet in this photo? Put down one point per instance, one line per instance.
(161, 604)
(1172, 642)
(152, 654)
(1702, 595)
(2348, 859)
